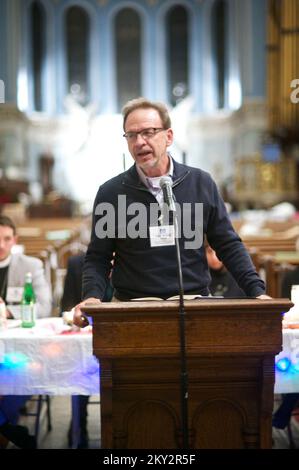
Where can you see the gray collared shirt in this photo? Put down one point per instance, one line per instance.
(153, 184)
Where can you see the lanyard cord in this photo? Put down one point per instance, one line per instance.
(4, 285)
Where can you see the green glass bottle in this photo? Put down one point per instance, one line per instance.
(28, 305)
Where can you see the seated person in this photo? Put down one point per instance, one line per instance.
(282, 415)
(222, 282)
(290, 278)
(9, 412)
(13, 268)
(72, 296)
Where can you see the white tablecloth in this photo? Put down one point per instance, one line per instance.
(47, 359)
(51, 359)
(287, 381)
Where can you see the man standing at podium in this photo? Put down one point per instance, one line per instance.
(144, 265)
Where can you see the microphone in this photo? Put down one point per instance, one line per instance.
(166, 186)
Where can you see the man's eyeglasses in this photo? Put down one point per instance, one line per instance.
(146, 134)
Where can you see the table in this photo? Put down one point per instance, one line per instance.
(49, 359)
(287, 363)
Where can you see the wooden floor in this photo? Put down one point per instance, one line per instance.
(61, 412)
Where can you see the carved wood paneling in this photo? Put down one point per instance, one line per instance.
(231, 345)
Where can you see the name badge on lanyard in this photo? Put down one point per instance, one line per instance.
(162, 235)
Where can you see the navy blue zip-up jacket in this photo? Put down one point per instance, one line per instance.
(143, 271)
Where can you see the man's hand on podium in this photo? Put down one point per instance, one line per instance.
(264, 297)
(79, 319)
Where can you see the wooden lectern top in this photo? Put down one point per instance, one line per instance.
(213, 326)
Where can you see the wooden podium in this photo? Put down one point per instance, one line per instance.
(230, 346)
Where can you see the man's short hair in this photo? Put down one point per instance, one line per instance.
(7, 222)
(143, 103)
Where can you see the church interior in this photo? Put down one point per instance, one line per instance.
(228, 71)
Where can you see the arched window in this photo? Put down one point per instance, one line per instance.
(177, 53)
(219, 49)
(128, 55)
(38, 48)
(77, 32)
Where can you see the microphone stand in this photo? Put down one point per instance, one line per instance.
(184, 373)
(170, 203)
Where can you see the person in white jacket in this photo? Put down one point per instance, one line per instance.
(13, 268)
